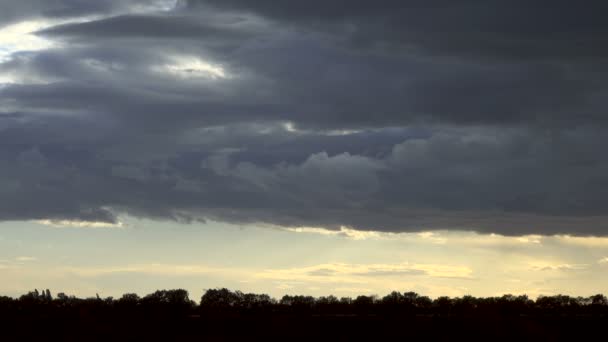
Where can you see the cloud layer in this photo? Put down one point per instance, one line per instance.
(383, 116)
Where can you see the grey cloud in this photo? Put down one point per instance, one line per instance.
(475, 180)
(498, 29)
(389, 116)
(153, 27)
(308, 81)
(13, 11)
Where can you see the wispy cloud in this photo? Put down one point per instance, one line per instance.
(16, 263)
(343, 232)
(440, 237)
(79, 224)
(360, 273)
(354, 290)
(433, 237)
(25, 258)
(560, 267)
(154, 268)
(584, 241)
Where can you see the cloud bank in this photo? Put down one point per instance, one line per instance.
(379, 116)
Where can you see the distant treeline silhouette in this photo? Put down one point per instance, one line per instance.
(227, 301)
(172, 315)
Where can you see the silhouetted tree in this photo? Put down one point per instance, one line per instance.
(129, 299)
(598, 299)
(220, 298)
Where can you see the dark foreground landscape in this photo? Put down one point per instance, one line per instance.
(170, 315)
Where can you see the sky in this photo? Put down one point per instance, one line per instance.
(317, 147)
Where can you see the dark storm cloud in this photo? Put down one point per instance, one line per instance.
(389, 115)
(313, 73)
(502, 29)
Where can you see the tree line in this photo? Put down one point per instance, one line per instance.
(222, 314)
(223, 300)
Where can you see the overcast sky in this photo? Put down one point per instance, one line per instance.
(306, 118)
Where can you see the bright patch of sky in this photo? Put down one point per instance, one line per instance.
(155, 5)
(144, 255)
(290, 127)
(79, 224)
(20, 37)
(192, 67)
